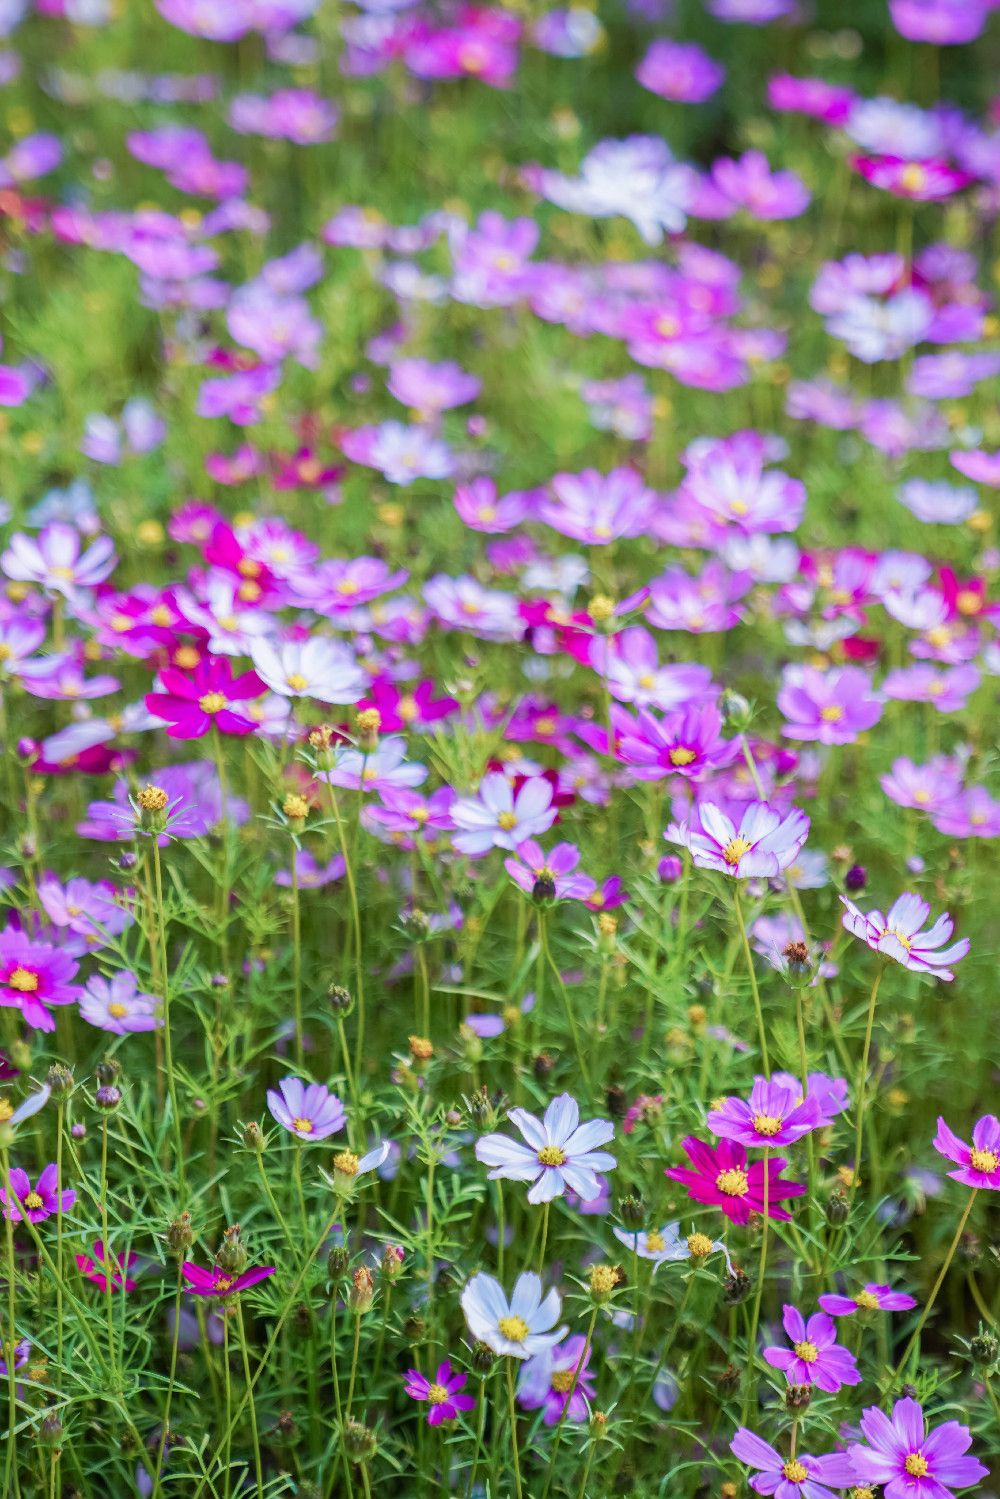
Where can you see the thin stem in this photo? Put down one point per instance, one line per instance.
(174, 1342)
(160, 923)
(228, 1434)
(751, 1383)
(512, 1408)
(862, 1084)
(258, 1468)
(297, 957)
(937, 1284)
(106, 1247)
(354, 1363)
(543, 937)
(581, 1364)
(10, 1467)
(737, 902)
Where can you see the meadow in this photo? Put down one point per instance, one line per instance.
(499, 656)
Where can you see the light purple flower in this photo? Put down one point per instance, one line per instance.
(307, 1110)
(831, 707)
(560, 1152)
(497, 818)
(801, 1477)
(871, 1298)
(116, 1005)
(56, 561)
(762, 846)
(978, 1163)
(899, 936)
(910, 1461)
(815, 1356)
(774, 1114)
(533, 868)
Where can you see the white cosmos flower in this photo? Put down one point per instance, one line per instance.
(520, 1328)
(559, 1152)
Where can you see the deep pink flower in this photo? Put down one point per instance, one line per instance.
(96, 1269)
(192, 705)
(912, 1462)
(33, 976)
(37, 1202)
(442, 1393)
(218, 1282)
(722, 1178)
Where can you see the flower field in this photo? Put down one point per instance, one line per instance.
(499, 787)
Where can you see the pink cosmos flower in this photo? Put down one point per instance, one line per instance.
(831, 707)
(546, 1380)
(497, 818)
(871, 1298)
(96, 1269)
(552, 875)
(37, 1202)
(442, 1393)
(597, 508)
(307, 1110)
(406, 707)
(483, 509)
(773, 1115)
(928, 788)
(979, 1163)
(33, 976)
(762, 846)
(55, 559)
(948, 690)
(983, 467)
(220, 1283)
(384, 768)
(116, 1005)
(899, 936)
(912, 1462)
(722, 1178)
(193, 705)
(926, 181)
(687, 743)
(801, 1477)
(815, 1356)
(679, 71)
(749, 183)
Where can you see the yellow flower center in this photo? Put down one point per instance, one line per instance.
(228, 622)
(5, 1110)
(152, 798)
(212, 702)
(655, 1241)
(913, 177)
(297, 682)
(735, 849)
(33, 1202)
(507, 820)
(23, 980)
(302, 1126)
(419, 815)
(795, 1472)
(739, 507)
(563, 1381)
(436, 1393)
(681, 755)
(346, 1163)
(866, 1301)
(766, 1124)
(551, 1155)
(984, 1160)
(832, 713)
(117, 1009)
(906, 942)
(224, 1282)
(699, 1245)
(408, 709)
(916, 1465)
(734, 1182)
(807, 1352)
(515, 1329)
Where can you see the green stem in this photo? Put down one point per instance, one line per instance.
(160, 922)
(174, 1342)
(751, 1373)
(512, 1408)
(862, 1084)
(580, 1366)
(937, 1284)
(258, 1467)
(744, 939)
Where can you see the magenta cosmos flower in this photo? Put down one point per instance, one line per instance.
(722, 1178)
(871, 1298)
(801, 1477)
(307, 1110)
(33, 976)
(762, 846)
(898, 935)
(910, 1461)
(774, 1114)
(815, 1356)
(549, 876)
(96, 1269)
(979, 1163)
(687, 743)
(217, 1282)
(38, 1202)
(211, 697)
(442, 1393)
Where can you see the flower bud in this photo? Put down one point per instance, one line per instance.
(728, 1380)
(633, 1211)
(392, 1262)
(543, 891)
(417, 925)
(108, 1098)
(736, 1287)
(838, 1207)
(232, 1256)
(481, 1108)
(108, 1071)
(360, 1442)
(607, 934)
(295, 808)
(341, 1000)
(856, 878)
(543, 1064)
(798, 1397)
(421, 1049)
(153, 803)
(180, 1236)
(253, 1136)
(50, 1430)
(604, 1280)
(984, 1349)
(59, 1080)
(616, 1100)
(128, 860)
(415, 1328)
(598, 1425)
(367, 724)
(483, 1358)
(20, 1055)
(737, 713)
(601, 609)
(338, 1262)
(362, 1292)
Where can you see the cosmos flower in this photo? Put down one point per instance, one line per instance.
(315, 668)
(96, 1268)
(499, 818)
(308, 1110)
(978, 1163)
(520, 1328)
(667, 1244)
(442, 1393)
(774, 1114)
(34, 976)
(815, 1356)
(552, 875)
(546, 1380)
(212, 697)
(830, 707)
(115, 1004)
(762, 846)
(722, 1178)
(36, 1202)
(871, 1298)
(910, 1460)
(57, 561)
(560, 1152)
(801, 1477)
(899, 936)
(221, 1283)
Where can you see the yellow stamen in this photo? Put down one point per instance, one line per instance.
(734, 1182)
(735, 849)
(212, 702)
(916, 1465)
(551, 1155)
(984, 1160)
(514, 1329)
(23, 980)
(807, 1352)
(699, 1245)
(766, 1124)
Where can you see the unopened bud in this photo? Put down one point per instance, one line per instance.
(360, 1442)
(108, 1098)
(338, 1262)
(341, 1000)
(483, 1358)
(838, 1207)
(392, 1262)
(108, 1070)
(736, 1287)
(736, 711)
(362, 1292)
(633, 1211)
(232, 1256)
(604, 1280)
(798, 1397)
(295, 807)
(253, 1136)
(367, 724)
(180, 1235)
(59, 1080)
